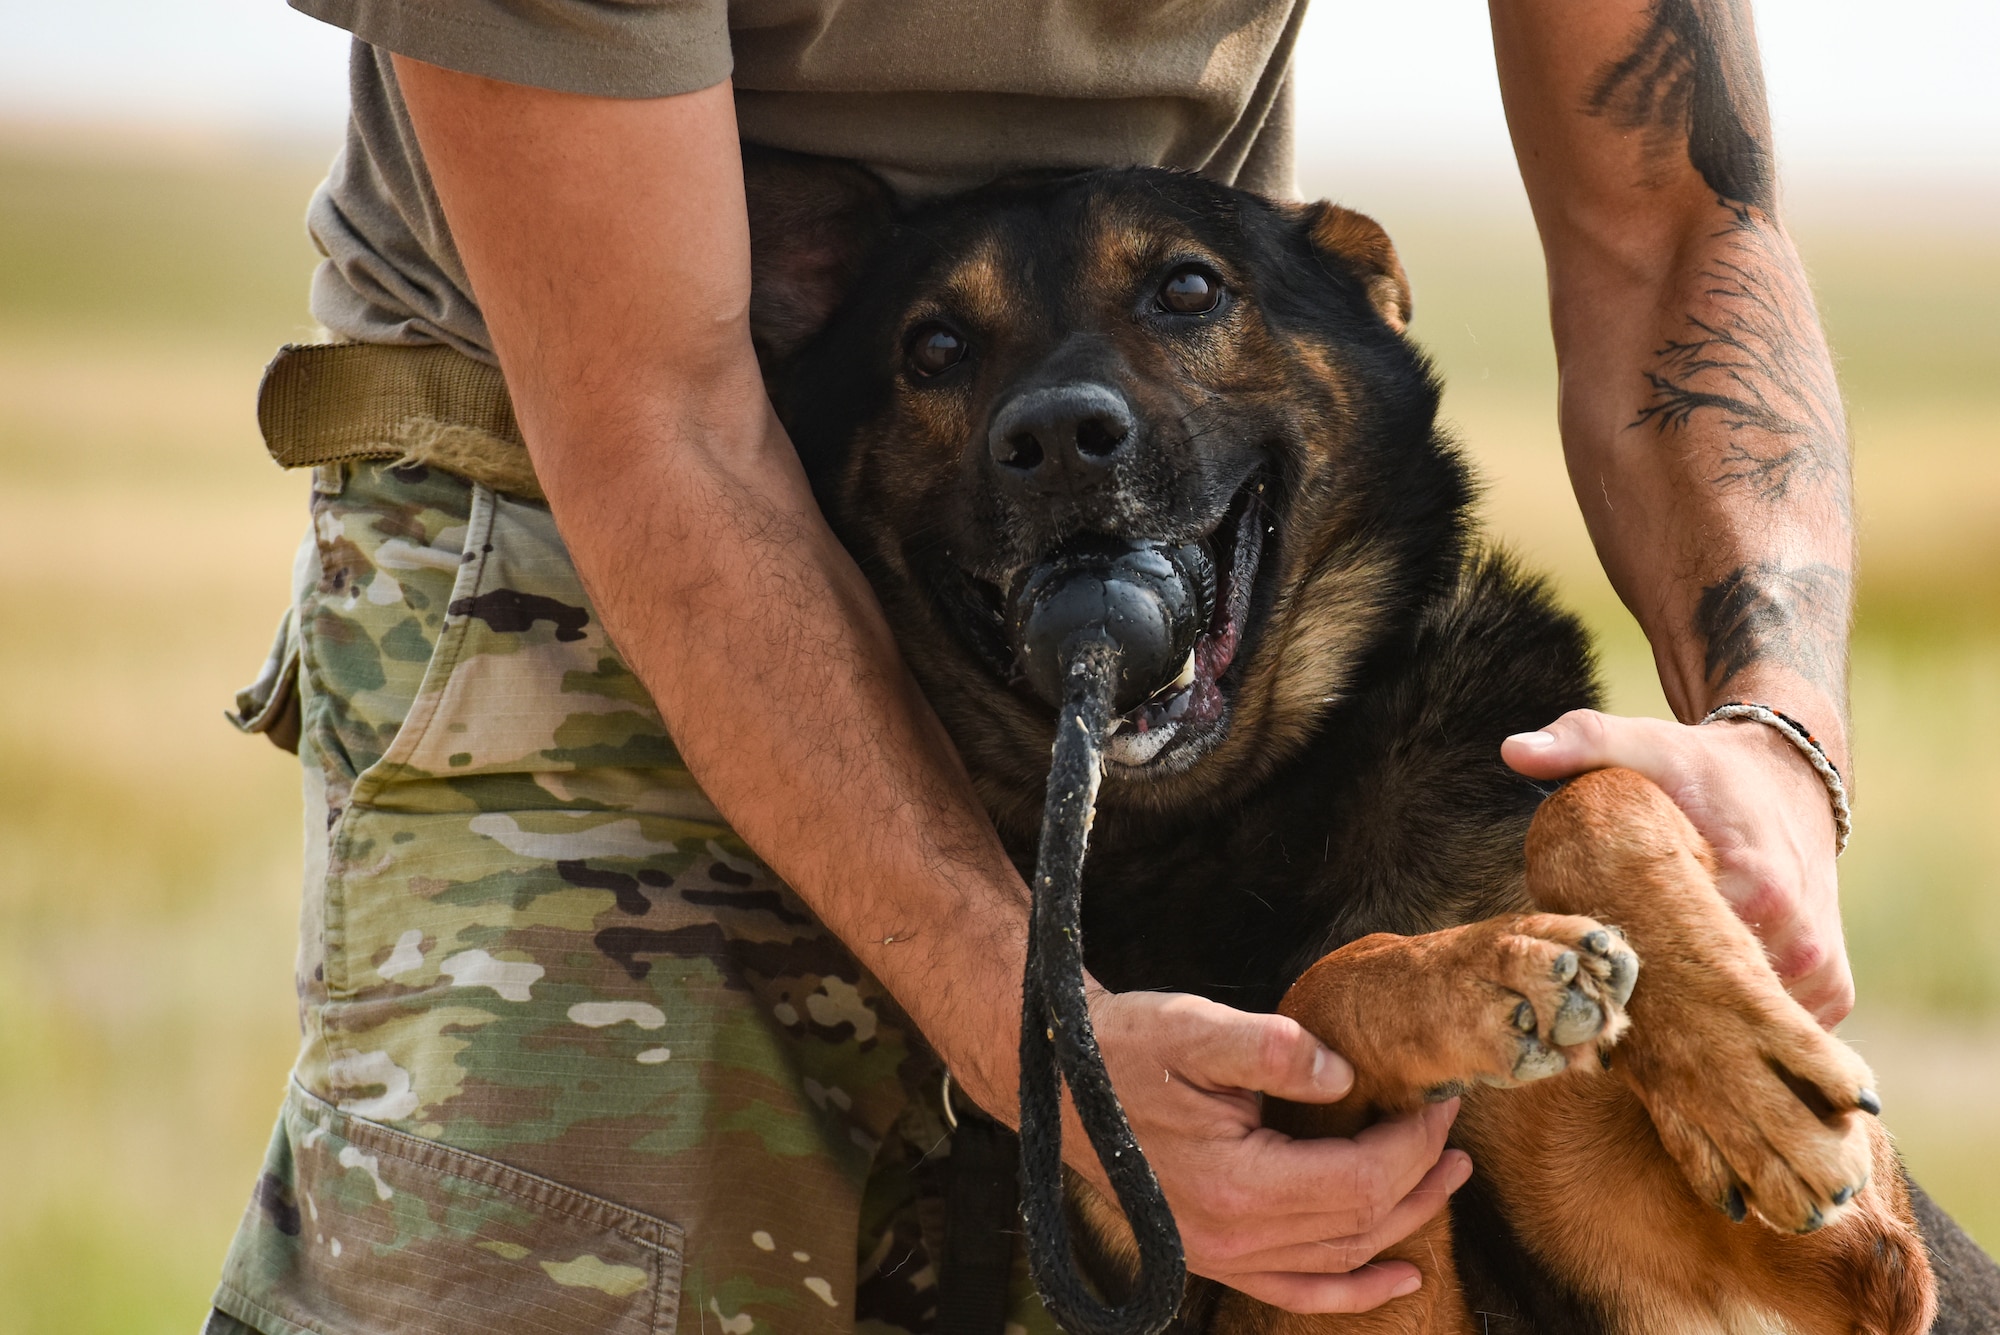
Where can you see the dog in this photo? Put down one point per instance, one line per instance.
(1314, 817)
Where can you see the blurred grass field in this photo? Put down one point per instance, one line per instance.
(149, 855)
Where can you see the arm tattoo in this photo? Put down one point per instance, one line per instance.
(1753, 358)
(1745, 382)
(1751, 353)
(1692, 84)
(1765, 611)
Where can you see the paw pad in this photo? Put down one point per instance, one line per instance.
(1577, 1021)
(1537, 1061)
(1524, 1017)
(1621, 966)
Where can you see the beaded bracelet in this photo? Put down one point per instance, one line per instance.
(1808, 746)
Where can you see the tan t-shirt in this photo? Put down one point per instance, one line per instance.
(934, 96)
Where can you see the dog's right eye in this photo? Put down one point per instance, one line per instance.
(934, 349)
(1190, 290)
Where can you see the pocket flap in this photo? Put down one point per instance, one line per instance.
(355, 1229)
(270, 704)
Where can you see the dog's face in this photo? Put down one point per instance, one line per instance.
(1136, 354)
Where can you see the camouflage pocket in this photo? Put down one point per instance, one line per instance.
(395, 552)
(270, 704)
(357, 1229)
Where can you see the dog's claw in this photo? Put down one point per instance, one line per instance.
(1813, 1221)
(1565, 966)
(1597, 942)
(1869, 1102)
(1733, 1206)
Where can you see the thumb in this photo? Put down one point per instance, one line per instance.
(1268, 1053)
(1584, 740)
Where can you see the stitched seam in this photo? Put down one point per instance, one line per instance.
(592, 1211)
(666, 1317)
(229, 1290)
(445, 658)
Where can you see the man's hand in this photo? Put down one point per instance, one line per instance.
(1294, 1223)
(1761, 808)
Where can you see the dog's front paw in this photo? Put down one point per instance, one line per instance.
(1559, 986)
(1499, 1002)
(1763, 1110)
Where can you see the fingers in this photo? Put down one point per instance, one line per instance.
(1285, 1191)
(1230, 1049)
(1584, 739)
(1340, 1274)
(1801, 934)
(1339, 1254)
(1827, 992)
(1360, 1291)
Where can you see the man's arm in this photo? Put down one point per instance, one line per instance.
(1703, 430)
(607, 244)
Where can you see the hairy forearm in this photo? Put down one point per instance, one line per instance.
(606, 242)
(1700, 417)
(1706, 441)
(768, 656)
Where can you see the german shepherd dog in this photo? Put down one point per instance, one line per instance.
(1314, 818)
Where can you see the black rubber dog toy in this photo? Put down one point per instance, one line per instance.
(1097, 629)
(1148, 600)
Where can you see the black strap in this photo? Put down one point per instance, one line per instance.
(981, 1222)
(1058, 1047)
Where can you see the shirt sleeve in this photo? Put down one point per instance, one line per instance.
(604, 48)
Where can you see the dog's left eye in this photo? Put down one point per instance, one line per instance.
(1190, 290)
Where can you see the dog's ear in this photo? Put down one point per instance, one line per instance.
(1360, 245)
(812, 222)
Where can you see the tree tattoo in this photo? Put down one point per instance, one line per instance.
(1741, 387)
(1750, 352)
(1752, 356)
(1763, 611)
(1692, 84)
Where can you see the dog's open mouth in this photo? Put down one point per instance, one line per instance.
(1187, 714)
(1193, 704)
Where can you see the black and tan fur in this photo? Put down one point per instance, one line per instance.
(1342, 838)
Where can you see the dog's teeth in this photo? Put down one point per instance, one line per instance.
(1137, 748)
(1187, 673)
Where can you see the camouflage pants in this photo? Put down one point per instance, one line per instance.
(573, 1059)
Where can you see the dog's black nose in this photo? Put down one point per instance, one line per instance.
(1062, 435)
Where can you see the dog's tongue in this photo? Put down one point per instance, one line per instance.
(1149, 599)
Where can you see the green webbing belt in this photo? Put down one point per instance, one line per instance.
(326, 403)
